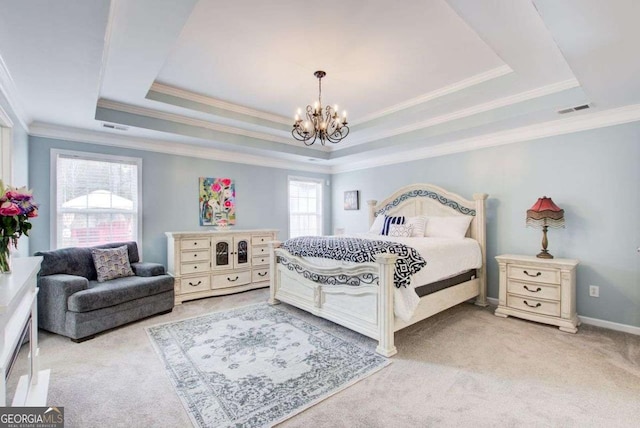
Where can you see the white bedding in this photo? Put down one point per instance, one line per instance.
(446, 257)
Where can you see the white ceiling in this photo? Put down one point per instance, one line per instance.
(223, 79)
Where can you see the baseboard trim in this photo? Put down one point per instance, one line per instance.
(595, 321)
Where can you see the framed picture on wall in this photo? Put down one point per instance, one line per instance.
(217, 202)
(352, 200)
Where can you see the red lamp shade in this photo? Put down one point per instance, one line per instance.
(545, 213)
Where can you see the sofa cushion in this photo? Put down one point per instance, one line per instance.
(78, 261)
(110, 293)
(111, 263)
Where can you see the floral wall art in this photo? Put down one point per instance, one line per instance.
(217, 202)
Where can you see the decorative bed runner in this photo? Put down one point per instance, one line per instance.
(256, 366)
(359, 250)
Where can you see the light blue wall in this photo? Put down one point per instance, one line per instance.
(19, 161)
(170, 193)
(594, 176)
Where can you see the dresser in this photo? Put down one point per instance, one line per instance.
(542, 290)
(19, 320)
(219, 262)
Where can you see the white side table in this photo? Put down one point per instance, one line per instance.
(542, 290)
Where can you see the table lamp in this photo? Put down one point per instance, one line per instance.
(542, 215)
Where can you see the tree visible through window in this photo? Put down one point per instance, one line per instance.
(305, 207)
(97, 199)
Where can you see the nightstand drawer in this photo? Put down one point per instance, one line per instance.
(231, 279)
(534, 274)
(540, 291)
(193, 284)
(529, 304)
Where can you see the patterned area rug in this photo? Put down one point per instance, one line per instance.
(256, 366)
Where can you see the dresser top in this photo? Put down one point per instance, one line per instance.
(216, 232)
(536, 261)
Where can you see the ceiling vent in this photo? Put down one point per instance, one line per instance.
(572, 109)
(116, 127)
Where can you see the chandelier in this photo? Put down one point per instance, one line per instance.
(325, 126)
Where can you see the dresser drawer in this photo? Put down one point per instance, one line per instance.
(260, 239)
(231, 279)
(193, 284)
(260, 260)
(194, 244)
(195, 256)
(528, 273)
(529, 304)
(258, 250)
(539, 290)
(197, 267)
(258, 275)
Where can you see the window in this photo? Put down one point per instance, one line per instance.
(305, 207)
(97, 199)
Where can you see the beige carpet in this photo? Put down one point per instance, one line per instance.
(464, 367)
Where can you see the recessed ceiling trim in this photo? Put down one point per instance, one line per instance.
(10, 92)
(450, 89)
(214, 102)
(46, 130)
(172, 117)
(552, 128)
(480, 108)
(113, 7)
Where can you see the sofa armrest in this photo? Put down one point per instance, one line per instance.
(147, 269)
(53, 294)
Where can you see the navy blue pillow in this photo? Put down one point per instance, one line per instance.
(388, 221)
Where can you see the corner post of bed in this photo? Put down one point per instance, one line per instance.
(386, 346)
(372, 211)
(273, 271)
(481, 237)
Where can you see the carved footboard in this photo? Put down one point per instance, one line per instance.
(359, 297)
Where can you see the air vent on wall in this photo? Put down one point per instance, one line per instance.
(117, 127)
(572, 109)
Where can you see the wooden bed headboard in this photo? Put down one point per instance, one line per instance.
(429, 200)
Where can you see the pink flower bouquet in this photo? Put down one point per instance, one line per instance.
(16, 209)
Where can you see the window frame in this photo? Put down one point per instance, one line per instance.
(91, 156)
(319, 209)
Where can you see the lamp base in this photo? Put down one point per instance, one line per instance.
(544, 254)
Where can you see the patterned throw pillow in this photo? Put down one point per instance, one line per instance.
(111, 263)
(419, 224)
(400, 230)
(388, 221)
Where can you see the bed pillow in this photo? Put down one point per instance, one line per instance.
(448, 227)
(388, 221)
(400, 230)
(376, 227)
(111, 263)
(419, 224)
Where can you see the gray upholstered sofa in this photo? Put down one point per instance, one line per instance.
(71, 301)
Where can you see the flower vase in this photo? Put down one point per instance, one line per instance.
(5, 256)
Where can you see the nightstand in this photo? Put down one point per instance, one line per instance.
(542, 290)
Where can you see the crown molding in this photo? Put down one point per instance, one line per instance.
(581, 122)
(46, 130)
(450, 89)
(480, 108)
(184, 120)
(113, 8)
(10, 92)
(214, 102)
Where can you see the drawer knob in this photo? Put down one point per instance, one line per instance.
(195, 255)
(262, 274)
(528, 274)
(232, 280)
(533, 291)
(537, 305)
(195, 285)
(195, 267)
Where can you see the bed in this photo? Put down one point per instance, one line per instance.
(360, 296)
